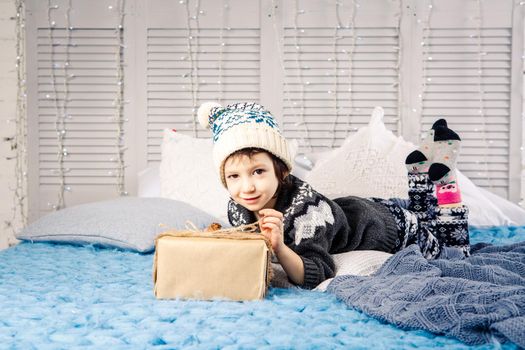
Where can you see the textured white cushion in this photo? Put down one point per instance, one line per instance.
(369, 163)
(187, 174)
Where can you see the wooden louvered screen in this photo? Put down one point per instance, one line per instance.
(227, 64)
(89, 113)
(329, 95)
(320, 69)
(216, 57)
(338, 67)
(467, 72)
(473, 94)
(83, 111)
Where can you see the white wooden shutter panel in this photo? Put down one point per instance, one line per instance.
(227, 59)
(467, 72)
(259, 61)
(336, 76)
(90, 111)
(86, 106)
(90, 122)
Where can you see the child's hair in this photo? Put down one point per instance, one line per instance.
(280, 168)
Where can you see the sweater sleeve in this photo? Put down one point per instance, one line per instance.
(312, 238)
(318, 265)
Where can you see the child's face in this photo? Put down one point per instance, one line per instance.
(251, 181)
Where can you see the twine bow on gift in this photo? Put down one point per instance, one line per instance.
(214, 230)
(217, 228)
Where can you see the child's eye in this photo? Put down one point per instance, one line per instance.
(258, 171)
(232, 176)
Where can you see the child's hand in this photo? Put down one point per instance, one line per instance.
(271, 224)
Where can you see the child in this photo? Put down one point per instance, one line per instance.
(305, 227)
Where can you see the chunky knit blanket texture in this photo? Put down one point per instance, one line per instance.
(477, 300)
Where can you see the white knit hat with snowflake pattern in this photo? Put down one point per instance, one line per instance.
(242, 125)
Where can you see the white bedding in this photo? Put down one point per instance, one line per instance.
(186, 174)
(486, 208)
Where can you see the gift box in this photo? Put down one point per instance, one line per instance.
(224, 264)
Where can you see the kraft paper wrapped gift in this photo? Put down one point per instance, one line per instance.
(211, 265)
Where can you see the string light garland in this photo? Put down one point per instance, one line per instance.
(334, 92)
(427, 79)
(399, 83)
(481, 110)
(18, 142)
(350, 53)
(224, 9)
(337, 109)
(193, 56)
(305, 140)
(62, 98)
(61, 104)
(426, 59)
(119, 100)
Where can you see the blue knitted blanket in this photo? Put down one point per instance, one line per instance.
(476, 300)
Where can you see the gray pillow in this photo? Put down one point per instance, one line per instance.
(130, 223)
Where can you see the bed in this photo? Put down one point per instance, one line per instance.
(65, 296)
(82, 277)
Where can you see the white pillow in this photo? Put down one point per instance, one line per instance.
(357, 262)
(369, 163)
(187, 174)
(149, 182)
(486, 208)
(512, 211)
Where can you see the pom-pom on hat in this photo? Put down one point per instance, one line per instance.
(242, 125)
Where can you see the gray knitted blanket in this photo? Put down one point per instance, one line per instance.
(477, 300)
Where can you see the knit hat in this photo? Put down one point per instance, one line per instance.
(242, 125)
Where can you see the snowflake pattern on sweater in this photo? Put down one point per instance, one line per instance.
(316, 216)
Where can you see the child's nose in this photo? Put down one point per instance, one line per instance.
(248, 186)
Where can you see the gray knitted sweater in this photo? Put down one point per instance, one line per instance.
(316, 227)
